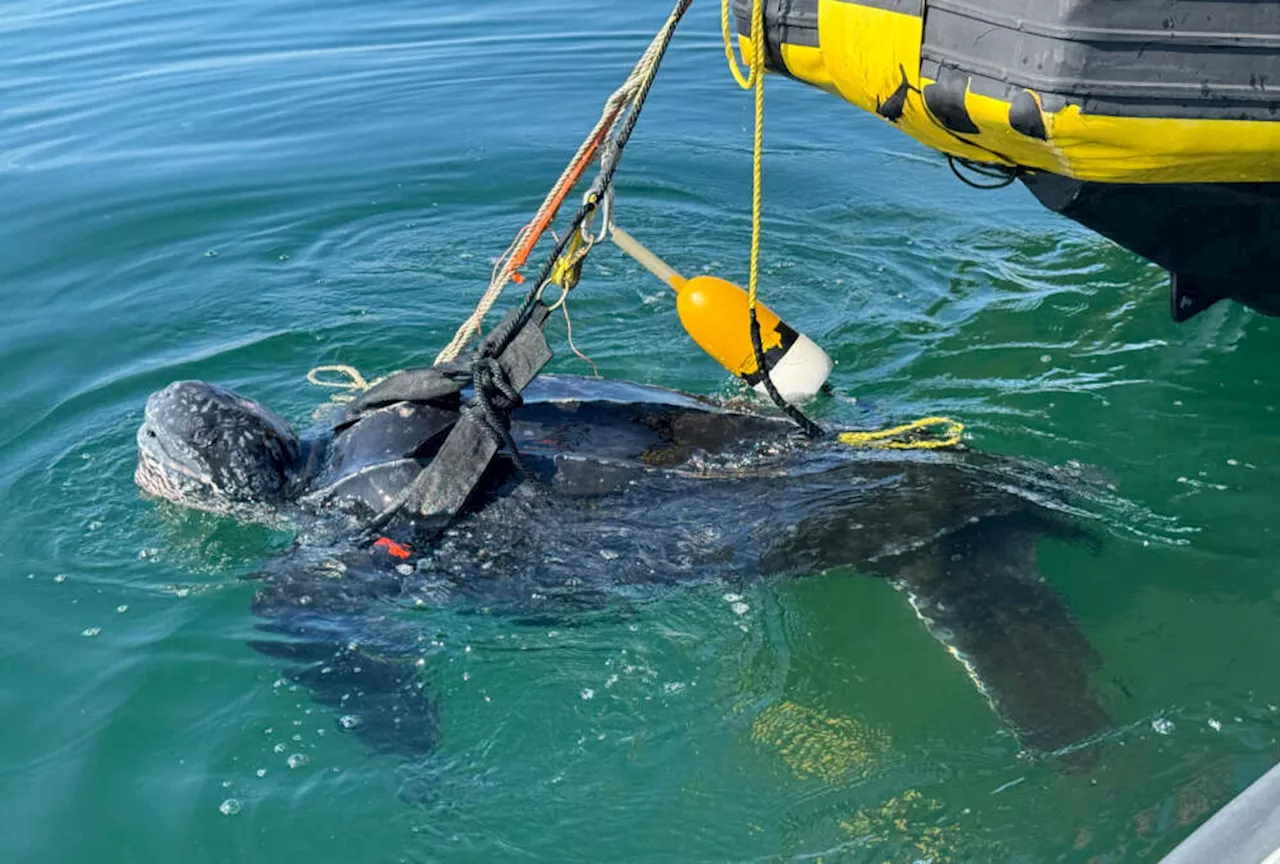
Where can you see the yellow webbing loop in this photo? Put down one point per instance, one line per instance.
(892, 439)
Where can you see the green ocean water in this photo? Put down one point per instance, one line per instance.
(242, 191)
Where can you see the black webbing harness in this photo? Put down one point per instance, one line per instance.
(504, 364)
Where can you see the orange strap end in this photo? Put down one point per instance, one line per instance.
(393, 548)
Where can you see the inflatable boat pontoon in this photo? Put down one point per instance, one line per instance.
(1153, 122)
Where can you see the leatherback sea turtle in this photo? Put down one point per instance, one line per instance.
(676, 489)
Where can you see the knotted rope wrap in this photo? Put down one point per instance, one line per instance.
(495, 399)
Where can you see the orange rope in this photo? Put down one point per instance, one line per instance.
(520, 256)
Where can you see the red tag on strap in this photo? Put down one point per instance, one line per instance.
(393, 548)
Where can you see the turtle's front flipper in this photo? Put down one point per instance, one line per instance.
(338, 631)
(380, 696)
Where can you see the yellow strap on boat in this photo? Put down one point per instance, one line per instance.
(893, 439)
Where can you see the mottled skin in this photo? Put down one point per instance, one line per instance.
(675, 489)
(205, 447)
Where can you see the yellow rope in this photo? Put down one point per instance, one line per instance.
(351, 380)
(753, 80)
(746, 82)
(893, 439)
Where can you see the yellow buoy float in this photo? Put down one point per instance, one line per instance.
(715, 313)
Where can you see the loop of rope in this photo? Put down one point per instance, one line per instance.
(999, 175)
(892, 439)
(354, 380)
(748, 81)
(351, 381)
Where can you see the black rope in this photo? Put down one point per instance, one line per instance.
(495, 396)
(811, 429)
(1003, 176)
(495, 399)
(604, 181)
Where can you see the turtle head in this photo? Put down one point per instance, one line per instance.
(206, 447)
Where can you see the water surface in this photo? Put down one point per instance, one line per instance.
(243, 191)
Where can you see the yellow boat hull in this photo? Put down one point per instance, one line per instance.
(1155, 123)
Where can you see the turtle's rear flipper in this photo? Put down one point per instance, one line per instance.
(966, 557)
(980, 593)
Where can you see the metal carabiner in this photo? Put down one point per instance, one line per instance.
(605, 207)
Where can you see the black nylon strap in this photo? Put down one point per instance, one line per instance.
(443, 487)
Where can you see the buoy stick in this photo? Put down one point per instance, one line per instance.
(647, 259)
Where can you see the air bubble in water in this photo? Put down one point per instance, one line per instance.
(297, 760)
(349, 721)
(230, 807)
